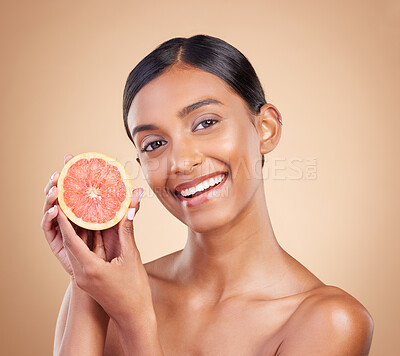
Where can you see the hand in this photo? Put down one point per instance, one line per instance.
(50, 226)
(120, 285)
(107, 249)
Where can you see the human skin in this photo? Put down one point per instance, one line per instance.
(78, 306)
(114, 261)
(232, 290)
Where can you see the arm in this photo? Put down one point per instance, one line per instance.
(62, 320)
(121, 285)
(334, 326)
(82, 325)
(139, 335)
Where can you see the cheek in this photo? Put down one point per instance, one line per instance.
(155, 174)
(239, 149)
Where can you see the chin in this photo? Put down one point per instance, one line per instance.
(220, 213)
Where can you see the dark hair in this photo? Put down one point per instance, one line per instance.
(208, 53)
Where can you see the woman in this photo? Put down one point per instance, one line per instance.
(196, 112)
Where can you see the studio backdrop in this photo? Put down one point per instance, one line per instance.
(332, 184)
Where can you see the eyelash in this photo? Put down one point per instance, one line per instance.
(144, 148)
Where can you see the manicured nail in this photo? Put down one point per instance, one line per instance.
(53, 175)
(51, 210)
(131, 213)
(141, 195)
(51, 189)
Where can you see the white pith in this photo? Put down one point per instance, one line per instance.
(203, 185)
(93, 193)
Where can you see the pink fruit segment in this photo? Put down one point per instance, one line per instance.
(94, 191)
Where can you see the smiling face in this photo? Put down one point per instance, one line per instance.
(190, 125)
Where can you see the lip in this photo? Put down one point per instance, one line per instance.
(204, 197)
(196, 181)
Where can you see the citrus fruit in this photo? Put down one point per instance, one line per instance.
(94, 191)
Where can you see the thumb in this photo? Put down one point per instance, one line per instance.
(125, 229)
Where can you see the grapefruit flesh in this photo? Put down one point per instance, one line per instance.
(94, 191)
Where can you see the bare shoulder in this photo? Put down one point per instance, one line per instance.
(330, 322)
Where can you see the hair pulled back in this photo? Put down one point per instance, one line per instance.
(208, 53)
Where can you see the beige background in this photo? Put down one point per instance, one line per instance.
(332, 69)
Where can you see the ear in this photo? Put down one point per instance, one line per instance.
(138, 159)
(269, 127)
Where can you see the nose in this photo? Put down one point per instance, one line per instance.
(184, 157)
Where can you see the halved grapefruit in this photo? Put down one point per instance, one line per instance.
(94, 191)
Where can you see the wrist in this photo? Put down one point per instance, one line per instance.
(137, 320)
(139, 334)
(84, 302)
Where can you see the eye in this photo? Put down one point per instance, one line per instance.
(154, 145)
(207, 123)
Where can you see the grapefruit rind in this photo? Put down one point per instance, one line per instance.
(124, 205)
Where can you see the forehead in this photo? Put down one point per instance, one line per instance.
(176, 88)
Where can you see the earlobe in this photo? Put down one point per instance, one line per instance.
(269, 123)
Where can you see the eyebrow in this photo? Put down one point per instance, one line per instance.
(181, 114)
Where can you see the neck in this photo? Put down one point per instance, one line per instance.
(237, 257)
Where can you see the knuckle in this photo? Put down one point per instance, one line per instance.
(91, 270)
(128, 228)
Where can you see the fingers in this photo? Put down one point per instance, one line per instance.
(125, 228)
(82, 233)
(136, 198)
(52, 182)
(98, 245)
(126, 233)
(74, 243)
(67, 157)
(47, 224)
(51, 198)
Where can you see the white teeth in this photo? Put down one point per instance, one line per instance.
(203, 185)
(199, 187)
(219, 179)
(192, 190)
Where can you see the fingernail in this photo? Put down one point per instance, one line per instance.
(53, 175)
(51, 210)
(131, 213)
(141, 195)
(51, 190)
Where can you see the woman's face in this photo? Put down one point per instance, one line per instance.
(190, 125)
